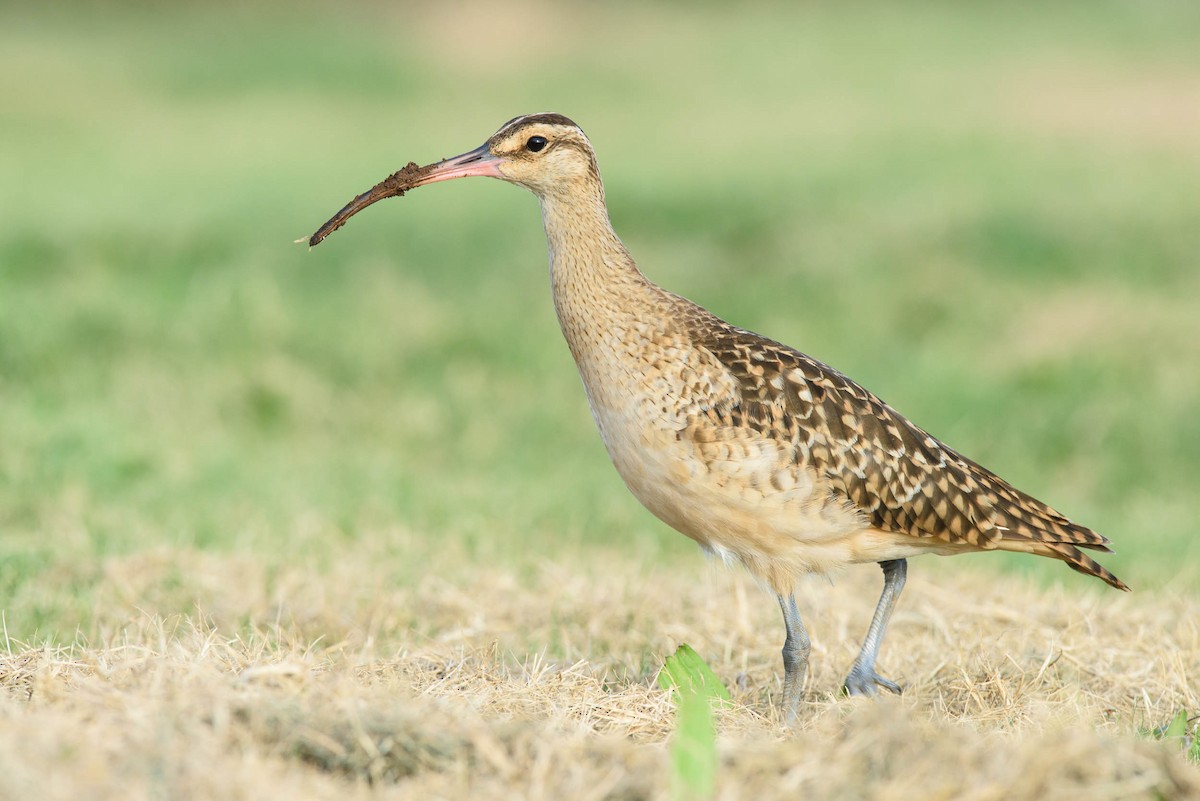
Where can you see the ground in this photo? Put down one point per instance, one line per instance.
(485, 683)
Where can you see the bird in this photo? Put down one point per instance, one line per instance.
(759, 453)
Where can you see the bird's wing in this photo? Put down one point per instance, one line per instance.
(899, 477)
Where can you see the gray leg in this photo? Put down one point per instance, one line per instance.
(795, 657)
(863, 680)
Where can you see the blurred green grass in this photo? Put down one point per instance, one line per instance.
(988, 215)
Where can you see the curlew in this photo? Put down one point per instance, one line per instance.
(759, 453)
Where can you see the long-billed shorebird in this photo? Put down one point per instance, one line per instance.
(759, 453)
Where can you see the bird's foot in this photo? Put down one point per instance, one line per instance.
(865, 681)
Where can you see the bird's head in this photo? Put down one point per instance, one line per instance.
(545, 153)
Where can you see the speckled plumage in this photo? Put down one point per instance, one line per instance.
(896, 475)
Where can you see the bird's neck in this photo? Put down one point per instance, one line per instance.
(595, 281)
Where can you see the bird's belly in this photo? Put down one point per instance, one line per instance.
(740, 495)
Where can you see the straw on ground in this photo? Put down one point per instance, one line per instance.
(543, 686)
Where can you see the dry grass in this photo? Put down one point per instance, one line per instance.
(487, 683)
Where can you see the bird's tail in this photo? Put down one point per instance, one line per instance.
(1066, 552)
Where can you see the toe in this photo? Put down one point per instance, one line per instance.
(860, 684)
(888, 685)
(867, 683)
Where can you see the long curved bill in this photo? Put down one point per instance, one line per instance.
(480, 161)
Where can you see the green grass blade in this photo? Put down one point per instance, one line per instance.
(1178, 725)
(694, 750)
(685, 672)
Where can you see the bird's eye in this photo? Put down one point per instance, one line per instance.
(535, 144)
